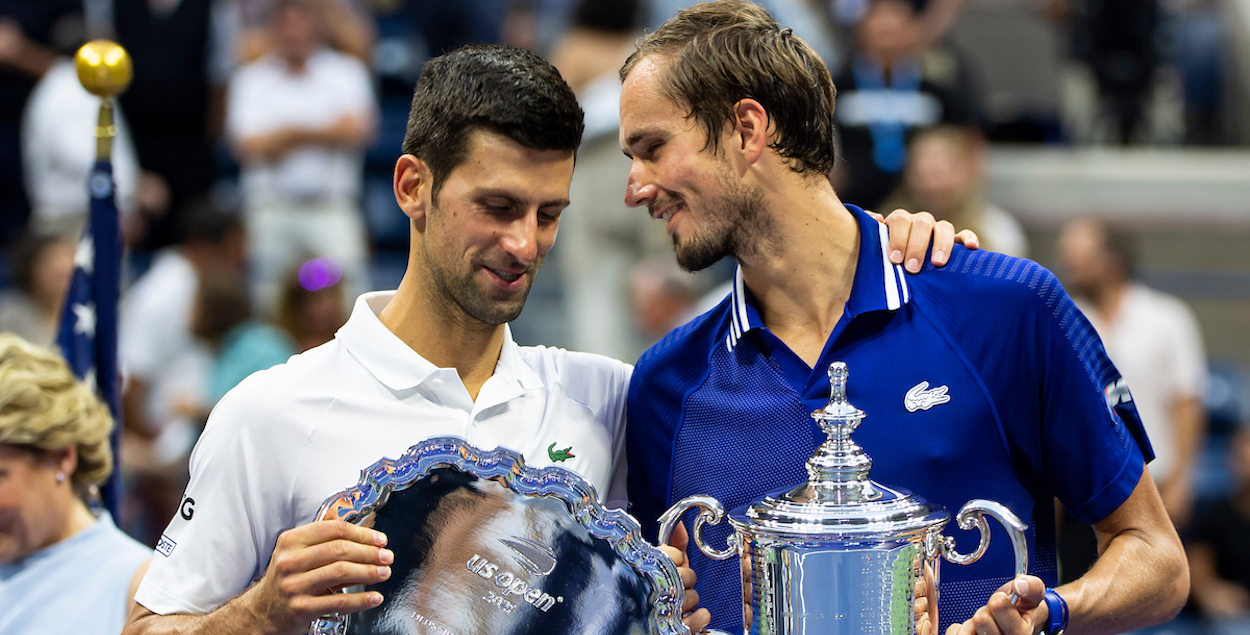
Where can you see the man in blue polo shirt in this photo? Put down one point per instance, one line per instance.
(1004, 391)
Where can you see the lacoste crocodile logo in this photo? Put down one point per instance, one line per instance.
(559, 456)
(921, 398)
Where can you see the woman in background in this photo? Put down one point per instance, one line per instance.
(61, 567)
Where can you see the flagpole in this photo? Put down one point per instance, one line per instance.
(104, 70)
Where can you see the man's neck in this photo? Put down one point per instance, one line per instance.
(801, 277)
(447, 341)
(1108, 300)
(296, 64)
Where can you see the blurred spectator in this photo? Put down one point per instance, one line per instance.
(599, 38)
(935, 18)
(42, 269)
(1196, 38)
(299, 120)
(32, 32)
(1219, 553)
(1118, 41)
(312, 306)
(520, 27)
(1154, 341)
(808, 18)
(446, 26)
(945, 176)
(170, 104)
(662, 297)
(348, 25)
(601, 239)
(886, 92)
(58, 152)
(166, 368)
(241, 345)
(62, 569)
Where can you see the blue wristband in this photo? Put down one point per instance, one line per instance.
(1058, 608)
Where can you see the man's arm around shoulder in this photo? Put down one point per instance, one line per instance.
(307, 565)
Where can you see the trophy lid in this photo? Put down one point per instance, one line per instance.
(839, 500)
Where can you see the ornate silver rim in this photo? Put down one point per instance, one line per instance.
(617, 527)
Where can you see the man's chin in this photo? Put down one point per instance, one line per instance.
(692, 258)
(501, 310)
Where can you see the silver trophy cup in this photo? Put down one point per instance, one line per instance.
(841, 554)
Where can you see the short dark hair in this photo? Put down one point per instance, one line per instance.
(723, 52)
(501, 89)
(206, 222)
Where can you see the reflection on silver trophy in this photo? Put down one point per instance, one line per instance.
(842, 554)
(485, 544)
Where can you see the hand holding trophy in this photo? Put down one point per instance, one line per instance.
(483, 543)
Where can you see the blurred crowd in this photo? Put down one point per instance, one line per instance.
(253, 169)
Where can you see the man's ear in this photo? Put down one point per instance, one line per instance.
(414, 186)
(751, 129)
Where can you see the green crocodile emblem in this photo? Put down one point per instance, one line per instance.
(559, 456)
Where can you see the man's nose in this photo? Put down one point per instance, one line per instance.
(521, 239)
(639, 190)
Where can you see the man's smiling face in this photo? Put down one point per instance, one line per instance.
(678, 176)
(491, 225)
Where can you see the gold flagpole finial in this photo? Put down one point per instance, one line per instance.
(104, 69)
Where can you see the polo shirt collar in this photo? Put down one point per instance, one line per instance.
(396, 365)
(879, 285)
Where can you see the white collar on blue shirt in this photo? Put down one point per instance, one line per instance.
(886, 290)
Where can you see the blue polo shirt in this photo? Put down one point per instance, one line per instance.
(1033, 409)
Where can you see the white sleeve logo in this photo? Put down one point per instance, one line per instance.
(921, 398)
(1117, 393)
(165, 546)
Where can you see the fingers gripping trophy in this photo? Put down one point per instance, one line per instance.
(842, 554)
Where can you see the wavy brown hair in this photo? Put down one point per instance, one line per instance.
(43, 407)
(720, 53)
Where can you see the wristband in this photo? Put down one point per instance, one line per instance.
(1058, 608)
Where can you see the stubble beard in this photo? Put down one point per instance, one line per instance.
(464, 292)
(733, 226)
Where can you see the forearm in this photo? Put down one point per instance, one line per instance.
(349, 131)
(268, 147)
(236, 616)
(346, 132)
(1141, 577)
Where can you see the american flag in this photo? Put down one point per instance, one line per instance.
(88, 332)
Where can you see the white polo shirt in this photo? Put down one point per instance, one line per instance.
(1154, 340)
(286, 439)
(266, 96)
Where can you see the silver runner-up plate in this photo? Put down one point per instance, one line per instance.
(487, 545)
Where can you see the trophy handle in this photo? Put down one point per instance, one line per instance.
(973, 514)
(711, 512)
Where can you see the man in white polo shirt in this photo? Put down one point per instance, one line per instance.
(495, 129)
(298, 121)
(488, 158)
